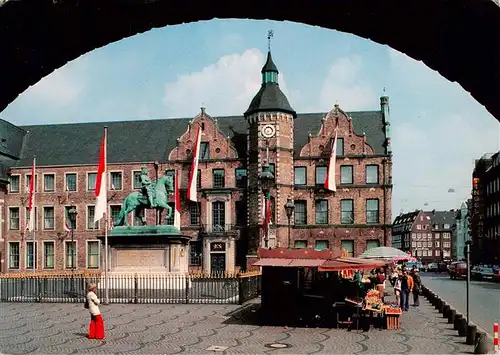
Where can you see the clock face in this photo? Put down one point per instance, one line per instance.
(268, 131)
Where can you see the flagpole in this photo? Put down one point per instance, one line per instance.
(106, 251)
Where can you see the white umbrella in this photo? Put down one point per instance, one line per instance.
(384, 253)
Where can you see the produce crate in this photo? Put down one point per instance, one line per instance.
(393, 321)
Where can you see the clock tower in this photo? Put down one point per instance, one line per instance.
(270, 145)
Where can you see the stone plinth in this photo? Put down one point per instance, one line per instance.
(146, 257)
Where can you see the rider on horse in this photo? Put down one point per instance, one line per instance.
(147, 186)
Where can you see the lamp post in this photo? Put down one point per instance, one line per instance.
(289, 207)
(72, 217)
(467, 255)
(266, 181)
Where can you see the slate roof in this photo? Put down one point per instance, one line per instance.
(269, 66)
(153, 139)
(406, 218)
(270, 98)
(443, 217)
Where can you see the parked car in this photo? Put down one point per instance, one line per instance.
(432, 267)
(457, 269)
(496, 275)
(481, 273)
(417, 264)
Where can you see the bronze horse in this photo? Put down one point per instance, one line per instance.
(138, 202)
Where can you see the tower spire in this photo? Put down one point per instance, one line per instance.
(270, 34)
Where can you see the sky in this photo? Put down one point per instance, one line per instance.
(438, 129)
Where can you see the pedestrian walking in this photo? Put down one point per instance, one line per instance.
(397, 288)
(417, 284)
(406, 289)
(96, 326)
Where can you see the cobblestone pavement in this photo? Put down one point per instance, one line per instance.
(484, 297)
(47, 328)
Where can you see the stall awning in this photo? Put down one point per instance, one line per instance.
(279, 262)
(350, 264)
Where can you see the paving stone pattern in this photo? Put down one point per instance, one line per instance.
(48, 328)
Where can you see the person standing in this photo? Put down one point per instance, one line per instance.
(406, 289)
(416, 287)
(96, 326)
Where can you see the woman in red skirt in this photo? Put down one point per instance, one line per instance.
(96, 326)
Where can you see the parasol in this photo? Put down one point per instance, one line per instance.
(386, 253)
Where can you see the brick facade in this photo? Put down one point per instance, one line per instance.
(226, 228)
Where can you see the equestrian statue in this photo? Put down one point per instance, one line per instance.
(153, 195)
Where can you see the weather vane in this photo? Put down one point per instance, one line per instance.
(270, 35)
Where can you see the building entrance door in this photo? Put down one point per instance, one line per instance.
(218, 263)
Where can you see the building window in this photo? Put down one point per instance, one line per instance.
(93, 254)
(91, 181)
(347, 246)
(35, 213)
(370, 244)
(195, 253)
(300, 244)
(241, 177)
(322, 245)
(371, 172)
(31, 255)
(28, 182)
(13, 255)
(14, 218)
(346, 174)
(91, 225)
(137, 180)
(198, 179)
(218, 179)
(446, 226)
(48, 218)
(272, 168)
(48, 255)
(171, 174)
(116, 180)
(320, 175)
(300, 175)
(71, 224)
(300, 212)
(114, 212)
(49, 182)
(204, 151)
(71, 182)
(14, 182)
(340, 146)
(194, 213)
(70, 255)
(346, 211)
(372, 210)
(137, 218)
(437, 244)
(321, 212)
(170, 221)
(218, 214)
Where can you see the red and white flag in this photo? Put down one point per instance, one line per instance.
(192, 190)
(177, 206)
(30, 226)
(101, 190)
(67, 229)
(331, 172)
(266, 217)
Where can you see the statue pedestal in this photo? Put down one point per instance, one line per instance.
(147, 258)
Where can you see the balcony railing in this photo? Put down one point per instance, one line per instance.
(218, 228)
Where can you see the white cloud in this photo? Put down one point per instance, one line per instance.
(62, 87)
(224, 88)
(344, 85)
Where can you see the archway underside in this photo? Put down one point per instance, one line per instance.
(458, 38)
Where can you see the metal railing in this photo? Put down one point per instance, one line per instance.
(132, 288)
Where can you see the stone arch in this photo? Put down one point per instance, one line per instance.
(446, 35)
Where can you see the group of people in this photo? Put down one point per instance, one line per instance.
(405, 284)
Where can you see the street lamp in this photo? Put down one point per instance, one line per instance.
(72, 217)
(289, 207)
(266, 182)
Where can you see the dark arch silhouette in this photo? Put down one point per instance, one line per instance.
(458, 38)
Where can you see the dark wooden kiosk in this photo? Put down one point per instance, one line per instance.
(305, 287)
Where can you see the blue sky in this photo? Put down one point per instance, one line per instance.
(438, 128)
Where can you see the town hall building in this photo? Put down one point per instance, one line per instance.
(225, 226)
